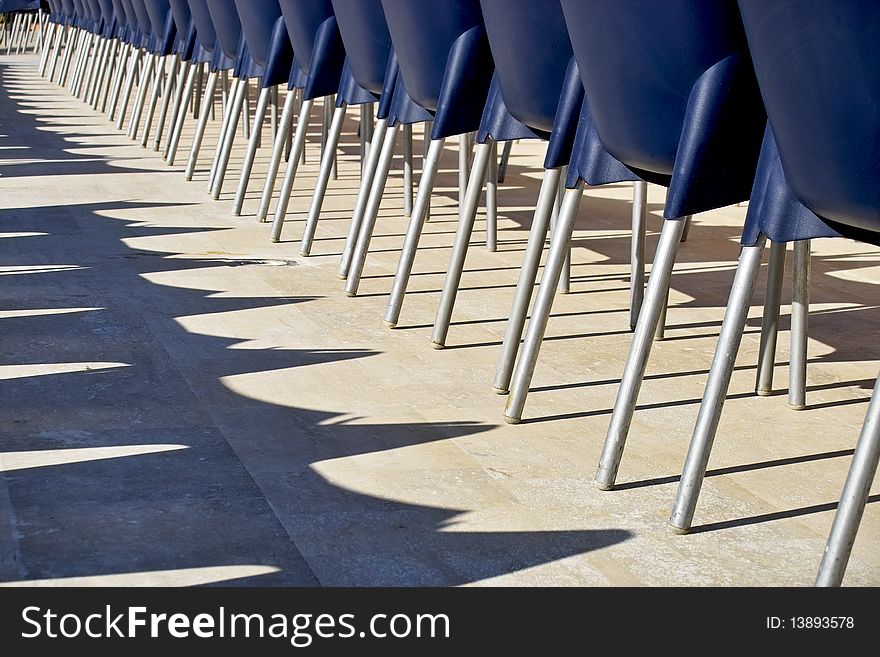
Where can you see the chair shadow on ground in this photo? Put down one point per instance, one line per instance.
(124, 449)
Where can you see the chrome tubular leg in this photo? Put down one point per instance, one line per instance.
(324, 174)
(299, 145)
(800, 311)
(251, 153)
(528, 273)
(770, 322)
(279, 146)
(853, 499)
(482, 155)
(637, 251)
(413, 233)
(371, 211)
(185, 92)
(716, 387)
(363, 196)
(559, 248)
(639, 352)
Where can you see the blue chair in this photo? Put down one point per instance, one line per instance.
(91, 66)
(183, 47)
(219, 50)
(76, 38)
(367, 45)
(206, 52)
(105, 54)
(269, 46)
(52, 40)
(690, 119)
(159, 47)
(129, 63)
(124, 33)
(320, 55)
(445, 72)
(65, 39)
(536, 93)
(232, 47)
(819, 77)
(26, 14)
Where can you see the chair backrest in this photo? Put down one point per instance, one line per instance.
(639, 62)
(106, 9)
(818, 69)
(94, 11)
(531, 50)
(422, 34)
(182, 15)
(204, 24)
(68, 8)
(130, 18)
(302, 19)
(145, 25)
(158, 11)
(366, 38)
(120, 17)
(227, 25)
(257, 22)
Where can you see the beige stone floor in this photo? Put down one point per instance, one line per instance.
(184, 402)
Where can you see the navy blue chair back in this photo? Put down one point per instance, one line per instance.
(531, 52)
(819, 74)
(204, 24)
(227, 26)
(672, 94)
(423, 34)
(367, 42)
(257, 22)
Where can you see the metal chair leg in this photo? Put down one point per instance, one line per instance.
(770, 321)
(201, 126)
(371, 211)
(492, 199)
(278, 148)
(251, 153)
(170, 79)
(800, 311)
(106, 78)
(103, 68)
(224, 128)
(482, 156)
(60, 37)
(118, 79)
(637, 251)
(159, 67)
(235, 113)
(522, 376)
(140, 99)
(639, 352)
(528, 273)
(464, 152)
(129, 85)
(853, 499)
(47, 47)
(716, 388)
(185, 91)
(369, 170)
(660, 330)
(299, 145)
(564, 284)
(413, 233)
(324, 174)
(505, 158)
(407, 170)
